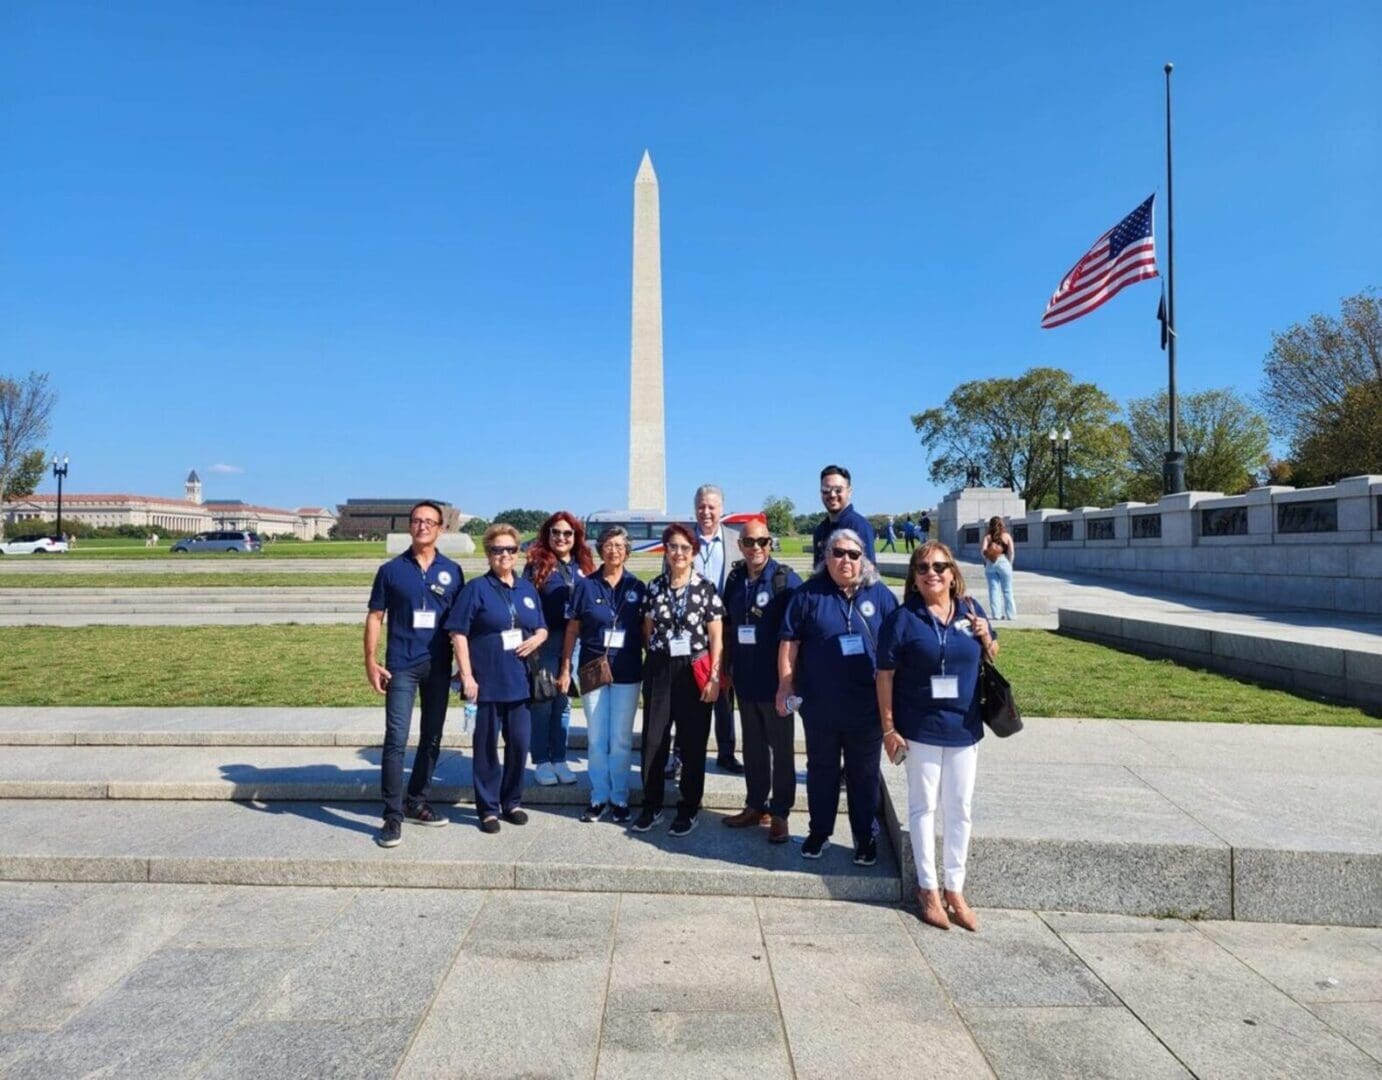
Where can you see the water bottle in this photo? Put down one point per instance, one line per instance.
(468, 724)
(793, 702)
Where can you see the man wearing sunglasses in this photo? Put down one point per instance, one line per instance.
(836, 493)
(416, 591)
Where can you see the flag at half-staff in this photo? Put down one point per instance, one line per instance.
(1123, 256)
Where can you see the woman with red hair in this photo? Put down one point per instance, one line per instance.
(556, 558)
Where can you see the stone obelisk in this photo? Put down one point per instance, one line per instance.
(647, 433)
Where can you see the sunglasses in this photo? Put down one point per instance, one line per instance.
(502, 550)
(678, 549)
(846, 553)
(832, 490)
(562, 534)
(755, 541)
(935, 567)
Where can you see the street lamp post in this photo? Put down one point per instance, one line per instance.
(1060, 446)
(60, 472)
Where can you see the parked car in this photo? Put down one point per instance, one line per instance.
(33, 545)
(232, 541)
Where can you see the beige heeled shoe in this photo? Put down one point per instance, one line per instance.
(932, 910)
(960, 912)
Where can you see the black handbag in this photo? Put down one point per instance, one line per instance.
(997, 705)
(542, 684)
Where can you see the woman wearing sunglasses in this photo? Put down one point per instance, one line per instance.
(682, 617)
(928, 676)
(495, 625)
(557, 560)
(826, 659)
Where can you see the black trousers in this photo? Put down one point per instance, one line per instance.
(724, 724)
(670, 696)
(770, 767)
(858, 740)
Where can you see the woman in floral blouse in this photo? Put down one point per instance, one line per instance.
(682, 617)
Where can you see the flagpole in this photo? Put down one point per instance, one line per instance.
(1173, 469)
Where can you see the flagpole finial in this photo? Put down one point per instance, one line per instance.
(1169, 66)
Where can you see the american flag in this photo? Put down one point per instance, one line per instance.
(1123, 256)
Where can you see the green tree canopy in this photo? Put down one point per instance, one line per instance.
(1224, 439)
(1001, 425)
(26, 406)
(1347, 444)
(779, 510)
(25, 480)
(523, 520)
(475, 526)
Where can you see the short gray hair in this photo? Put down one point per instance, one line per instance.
(868, 573)
(709, 489)
(613, 532)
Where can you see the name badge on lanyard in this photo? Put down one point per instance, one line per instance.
(851, 644)
(614, 639)
(945, 687)
(680, 645)
(424, 619)
(748, 635)
(512, 639)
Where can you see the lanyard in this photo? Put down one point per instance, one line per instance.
(705, 550)
(942, 635)
(750, 610)
(848, 610)
(567, 573)
(508, 600)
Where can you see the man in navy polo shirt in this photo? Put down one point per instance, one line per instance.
(756, 594)
(416, 590)
(836, 493)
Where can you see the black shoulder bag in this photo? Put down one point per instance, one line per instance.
(997, 705)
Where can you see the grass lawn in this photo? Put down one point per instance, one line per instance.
(321, 665)
(122, 548)
(208, 580)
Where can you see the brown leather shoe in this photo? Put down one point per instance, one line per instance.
(778, 832)
(961, 914)
(745, 818)
(932, 910)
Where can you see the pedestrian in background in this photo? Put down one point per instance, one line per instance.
(890, 543)
(909, 533)
(999, 551)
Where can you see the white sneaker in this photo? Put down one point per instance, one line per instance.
(564, 773)
(546, 775)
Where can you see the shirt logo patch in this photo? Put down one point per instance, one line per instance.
(528, 602)
(867, 609)
(762, 598)
(444, 577)
(631, 595)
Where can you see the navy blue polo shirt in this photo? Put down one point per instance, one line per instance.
(849, 519)
(556, 593)
(600, 608)
(827, 681)
(910, 646)
(486, 608)
(752, 603)
(402, 587)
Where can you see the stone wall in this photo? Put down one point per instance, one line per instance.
(1309, 548)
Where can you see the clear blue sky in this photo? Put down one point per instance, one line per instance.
(361, 249)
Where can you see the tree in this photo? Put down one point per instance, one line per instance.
(26, 407)
(806, 523)
(1348, 444)
(27, 477)
(779, 510)
(1309, 374)
(523, 520)
(1001, 426)
(1224, 438)
(475, 526)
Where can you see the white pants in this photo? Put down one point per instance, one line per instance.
(944, 776)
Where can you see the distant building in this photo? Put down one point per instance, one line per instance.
(376, 518)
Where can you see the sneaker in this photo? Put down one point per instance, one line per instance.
(673, 766)
(563, 773)
(647, 819)
(620, 814)
(489, 825)
(546, 775)
(814, 845)
(595, 811)
(516, 816)
(391, 835)
(866, 854)
(424, 815)
(682, 825)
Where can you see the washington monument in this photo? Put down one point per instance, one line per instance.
(647, 433)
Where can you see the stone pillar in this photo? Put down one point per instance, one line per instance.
(969, 506)
(647, 431)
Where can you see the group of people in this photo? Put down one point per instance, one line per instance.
(866, 673)
(911, 532)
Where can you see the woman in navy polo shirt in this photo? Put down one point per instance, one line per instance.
(495, 625)
(607, 619)
(557, 560)
(826, 658)
(928, 677)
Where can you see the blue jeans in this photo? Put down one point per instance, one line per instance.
(551, 719)
(432, 678)
(609, 713)
(999, 575)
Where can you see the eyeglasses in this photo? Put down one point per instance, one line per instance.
(562, 534)
(755, 541)
(846, 553)
(497, 550)
(679, 549)
(935, 567)
(832, 490)
(424, 523)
